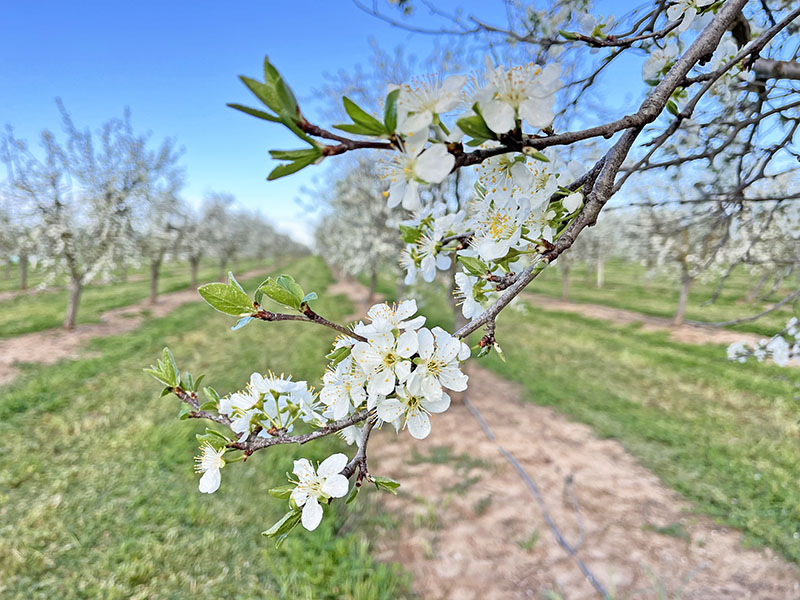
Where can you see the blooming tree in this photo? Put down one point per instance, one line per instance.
(530, 202)
(84, 194)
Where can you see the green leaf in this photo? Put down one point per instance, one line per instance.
(357, 129)
(351, 495)
(473, 265)
(166, 392)
(283, 492)
(410, 234)
(264, 92)
(171, 367)
(672, 107)
(183, 414)
(292, 167)
(288, 283)
(280, 294)
(390, 111)
(211, 394)
(386, 484)
(288, 522)
(284, 92)
(363, 118)
(255, 112)
(567, 35)
(208, 405)
(296, 154)
(535, 154)
(338, 355)
(226, 298)
(475, 127)
(309, 297)
(158, 376)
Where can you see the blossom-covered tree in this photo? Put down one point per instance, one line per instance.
(517, 125)
(84, 194)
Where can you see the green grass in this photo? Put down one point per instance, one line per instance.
(26, 313)
(627, 287)
(723, 434)
(97, 494)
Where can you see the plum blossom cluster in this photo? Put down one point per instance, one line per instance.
(402, 371)
(389, 369)
(782, 348)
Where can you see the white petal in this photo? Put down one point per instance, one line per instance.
(335, 486)
(437, 406)
(405, 309)
(538, 112)
(397, 190)
(499, 116)
(299, 496)
(407, 344)
(209, 482)
(402, 370)
(435, 164)
(303, 469)
(312, 514)
(415, 143)
(382, 382)
(332, 465)
(453, 379)
(419, 425)
(390, 409)
(412, 324)
(417, 122)
(411, 196)
(425, 343)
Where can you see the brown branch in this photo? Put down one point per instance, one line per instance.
(308, 316)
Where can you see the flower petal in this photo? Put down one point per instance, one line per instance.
(419, 425)
(332, 465)
(335, 486)
(209, 482)
(312, 514)
(434, 164)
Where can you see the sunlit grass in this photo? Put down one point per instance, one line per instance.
(98, 498)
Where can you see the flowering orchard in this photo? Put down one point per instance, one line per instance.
(530, 204)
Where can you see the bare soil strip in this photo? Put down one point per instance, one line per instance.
(686, 333)
(52, 345)
(469, 528)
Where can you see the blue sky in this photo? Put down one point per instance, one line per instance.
(175, 65)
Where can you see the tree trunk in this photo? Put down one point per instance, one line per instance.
(123, 273)
(75, 288)
(600, 272)
(565, 283)
(155, 267)
(222, 264)
(753, 292)
(683, 300)
(8, 268)
(23, 271)
(373, 284)
(194, 263)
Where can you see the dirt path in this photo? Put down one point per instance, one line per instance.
(686, 333)
(470, 529)
(52, 345)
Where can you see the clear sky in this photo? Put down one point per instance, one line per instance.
(174, 63)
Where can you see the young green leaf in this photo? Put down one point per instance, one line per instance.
(283, 492)
(386, 484)
(254, 112)
(361, 117)
(473, 265)
(226, 298)
(390, 111)
(292, 167)
(280, 294)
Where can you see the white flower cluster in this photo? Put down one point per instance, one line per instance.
(269, 404)
(504, 97)
(782, 348)
(401, 370)
(687, 9)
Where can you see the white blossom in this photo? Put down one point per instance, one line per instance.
(422, 100)
(312, 486)
(439, 355)
(411, 408)
(209, 462)
(415, 166)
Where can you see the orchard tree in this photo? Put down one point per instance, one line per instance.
(359, 231)
(704, 76)
(159, 231)
(84, 193)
